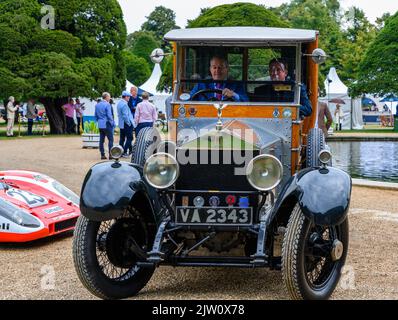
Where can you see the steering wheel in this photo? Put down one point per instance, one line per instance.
(206, 91)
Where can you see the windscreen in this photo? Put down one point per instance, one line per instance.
(238, 74)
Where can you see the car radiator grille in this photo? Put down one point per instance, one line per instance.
(213, 176)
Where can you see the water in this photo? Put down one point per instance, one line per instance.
(372, 160)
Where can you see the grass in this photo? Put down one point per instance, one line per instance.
(37, 129)
(371, 128)
(16, 137)
(367, 131)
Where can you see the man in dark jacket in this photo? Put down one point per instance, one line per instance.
(226, 90)
(134, 99)
(106, 124)
(278, 71)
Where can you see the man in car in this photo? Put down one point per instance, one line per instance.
(278, 71)
(227, 90)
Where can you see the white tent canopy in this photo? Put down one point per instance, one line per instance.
(352, 108)
(151, 84)
(334, 85)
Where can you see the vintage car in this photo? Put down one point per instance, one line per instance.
(34, 206)
(243, 177)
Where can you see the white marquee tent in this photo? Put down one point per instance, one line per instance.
(352, 108)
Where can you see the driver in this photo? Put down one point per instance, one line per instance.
(219, 72)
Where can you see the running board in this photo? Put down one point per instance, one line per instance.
(232, 262)
(206, 261)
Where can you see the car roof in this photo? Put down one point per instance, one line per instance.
(244, 35)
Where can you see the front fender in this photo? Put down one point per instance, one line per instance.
(107, 191)
(323, 194)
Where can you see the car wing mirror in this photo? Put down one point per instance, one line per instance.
(318, 56)
(158, 55)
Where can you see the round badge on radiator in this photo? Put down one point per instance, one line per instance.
(199, 202)
(230, 200)
(181, 111)
(192, 111)
(287, 113)
(214, 201)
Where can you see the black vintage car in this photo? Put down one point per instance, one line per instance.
(242, 178)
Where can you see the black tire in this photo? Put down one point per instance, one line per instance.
(106, 271)
(145, 145)
(315, 143)
(302, 257)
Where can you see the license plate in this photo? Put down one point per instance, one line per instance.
(214, 216)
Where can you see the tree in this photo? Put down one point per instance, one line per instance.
(359, 34)
(137, 68)
(9, 82)
(82, 57)
(98, 24)
(325, 17)
(143, 45)
(160, 21)
(379, 68)
(237, 14)
(166, 80)
(381, 21)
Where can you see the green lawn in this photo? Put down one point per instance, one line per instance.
(37, 129)
(370, 128)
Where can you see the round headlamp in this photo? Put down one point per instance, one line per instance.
(116, 152)
(161, 170)
(324, 156)
(264, 172)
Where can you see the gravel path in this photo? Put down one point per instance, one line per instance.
(44, 269)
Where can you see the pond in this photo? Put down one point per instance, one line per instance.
(372, 160)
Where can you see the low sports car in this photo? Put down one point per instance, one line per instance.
(34, 206)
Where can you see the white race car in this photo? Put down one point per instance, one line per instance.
(33, 206)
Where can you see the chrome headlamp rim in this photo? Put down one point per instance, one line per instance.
(116, 152)
(168, 185)
(322, 153)
(250, 167)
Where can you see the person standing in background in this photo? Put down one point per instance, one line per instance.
(324, 113)
(134, 99)
(106, 124)
(11, 109)
(31, 114)
(145, 114)
(126, 123)
(133, 102)
(69, 109)
(79, 107)
(339, 117)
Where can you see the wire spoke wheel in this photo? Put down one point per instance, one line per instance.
(318, 262)
(114, 257)
(310, 269)
(106, 254)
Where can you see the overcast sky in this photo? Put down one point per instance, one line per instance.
(135, 12)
